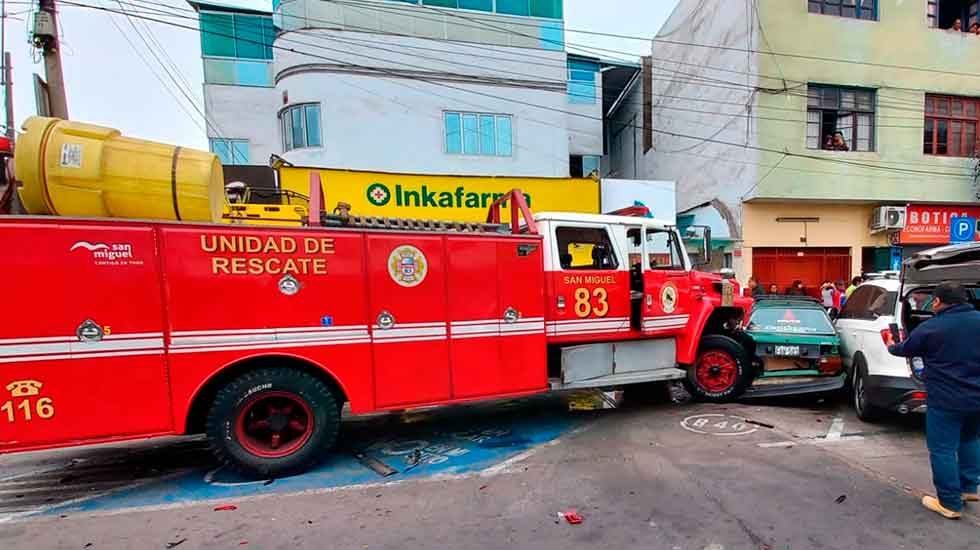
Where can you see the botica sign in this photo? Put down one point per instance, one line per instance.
(458, 198)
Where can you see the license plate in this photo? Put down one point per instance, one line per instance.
(788, 351)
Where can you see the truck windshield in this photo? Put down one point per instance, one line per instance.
(790, 320)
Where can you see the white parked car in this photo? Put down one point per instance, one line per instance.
(879, 382)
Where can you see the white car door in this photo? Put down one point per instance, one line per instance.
(850, 324)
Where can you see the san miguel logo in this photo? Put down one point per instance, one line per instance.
(407, 266)
(108, 253)
(379, 194)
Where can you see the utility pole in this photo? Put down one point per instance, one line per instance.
(5, 75)
(8, 95)
(46, 38)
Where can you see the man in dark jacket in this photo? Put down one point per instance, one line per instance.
(947, 344)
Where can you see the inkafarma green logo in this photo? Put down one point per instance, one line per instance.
(378, 194)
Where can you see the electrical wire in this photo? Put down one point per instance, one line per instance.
(173, 73)
(431, 81)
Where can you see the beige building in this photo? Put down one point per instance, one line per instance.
(741, 98)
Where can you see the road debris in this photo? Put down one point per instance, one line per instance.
(374, 464)
(840, 499)
(757, 423)
(571, 517)
(225, 508)
(176, 543)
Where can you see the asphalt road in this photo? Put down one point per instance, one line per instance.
(795, 474)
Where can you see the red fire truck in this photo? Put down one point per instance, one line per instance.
(258, 336)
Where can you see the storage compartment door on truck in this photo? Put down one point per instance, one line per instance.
(667, 282)
(407, 314)
(591, 284)
(496, 316)
(237, 293)
(81, 343)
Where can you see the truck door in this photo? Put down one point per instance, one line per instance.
(407, 292)
(667, 298)
(496, 319)
(591, 285)
(82, 354)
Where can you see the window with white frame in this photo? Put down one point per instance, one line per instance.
(230, 151)
(300, 126)
(840, 118)
(478, 134)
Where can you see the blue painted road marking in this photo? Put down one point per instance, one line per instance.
(454, 440)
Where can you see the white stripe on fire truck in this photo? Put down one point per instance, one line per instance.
(232, 339)
(672, 321)
(666, 321)
(664, 324)
(50, 339)
(591, 320)
(497, 328)
(76, 347)
(80, 356)
(414, 330)
(303, 343)
(593, 324)
(265, 330)
(589, 331)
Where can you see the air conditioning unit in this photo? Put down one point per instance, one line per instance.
(887, 218)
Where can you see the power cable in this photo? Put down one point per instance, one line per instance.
(553, 109)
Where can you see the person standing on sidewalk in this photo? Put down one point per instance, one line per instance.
(947, 344)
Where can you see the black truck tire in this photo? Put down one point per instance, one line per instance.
(271, 423)
(721, 372)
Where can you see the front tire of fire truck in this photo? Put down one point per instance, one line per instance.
(722, 371)
(271, 423)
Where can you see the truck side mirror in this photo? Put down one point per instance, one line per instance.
(702, 235)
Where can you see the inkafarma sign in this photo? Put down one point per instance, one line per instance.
(462, 198)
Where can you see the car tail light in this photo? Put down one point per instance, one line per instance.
(886, 336)
(918, 395)
(830, 364)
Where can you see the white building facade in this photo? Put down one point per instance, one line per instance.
(461, 87)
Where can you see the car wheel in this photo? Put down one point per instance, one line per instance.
(859, 395)
(273, 422)
(721, 372)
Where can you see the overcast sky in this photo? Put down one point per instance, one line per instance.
(108, 83)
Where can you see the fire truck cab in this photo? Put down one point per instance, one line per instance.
(258, 336)
(623, 302)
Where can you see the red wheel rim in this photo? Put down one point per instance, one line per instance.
(274, 424)
(716, 371)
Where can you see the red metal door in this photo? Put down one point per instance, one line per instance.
(81, 353)
(523, 353)
(592, 290)
(812, 266)
(407, 293)
(667, 285)
(496, 316)
(474, 316)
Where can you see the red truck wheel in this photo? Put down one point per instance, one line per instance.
(273, 422)
(721, 372)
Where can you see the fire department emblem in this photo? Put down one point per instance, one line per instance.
(668, 298)
(407, 266)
